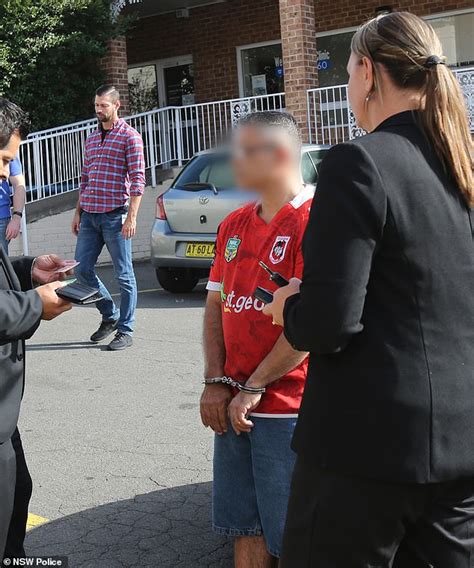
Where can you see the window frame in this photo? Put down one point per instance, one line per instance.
(240, 71)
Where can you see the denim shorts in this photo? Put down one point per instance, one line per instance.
(252, 478)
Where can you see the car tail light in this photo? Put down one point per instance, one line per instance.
(160, 209)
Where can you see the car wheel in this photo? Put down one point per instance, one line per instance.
(177, 280)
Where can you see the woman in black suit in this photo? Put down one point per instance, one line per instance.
(385, 438)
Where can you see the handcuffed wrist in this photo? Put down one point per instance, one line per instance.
(229, 381)
(213, 380)
(253, 384)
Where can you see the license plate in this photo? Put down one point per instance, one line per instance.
(200, 250)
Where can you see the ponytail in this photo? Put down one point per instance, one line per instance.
(411, 53)
(444, 120)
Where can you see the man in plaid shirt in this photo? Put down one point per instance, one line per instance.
(112, 185)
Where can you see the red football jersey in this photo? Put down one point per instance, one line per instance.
(243, 240)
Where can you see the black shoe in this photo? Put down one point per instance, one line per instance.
(105, 329)
(120, 341)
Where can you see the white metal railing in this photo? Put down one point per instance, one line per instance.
(202, 126)
(52, 162)
(52, 159)
(63, 128)
(331, 120)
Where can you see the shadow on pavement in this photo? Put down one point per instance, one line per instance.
(63, 346)
(169, 528)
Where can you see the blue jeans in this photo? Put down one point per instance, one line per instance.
(252, 479)
(3, 229)
(97, 230)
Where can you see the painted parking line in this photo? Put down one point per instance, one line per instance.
(35, 521)
(117, 294)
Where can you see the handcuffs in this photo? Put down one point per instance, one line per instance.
(229, 381)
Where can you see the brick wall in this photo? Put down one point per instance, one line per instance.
(115, 66)
(212, 33)
(53, 233)
(334, 14)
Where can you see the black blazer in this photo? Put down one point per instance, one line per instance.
(387, 311)
(20, 315)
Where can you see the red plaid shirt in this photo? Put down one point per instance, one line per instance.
(113, 169)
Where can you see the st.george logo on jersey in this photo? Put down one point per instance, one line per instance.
(277, 253)
(231, 248)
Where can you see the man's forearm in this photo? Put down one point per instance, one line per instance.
(19, 193)
(281, 360)
(214, 347)
(134, 206)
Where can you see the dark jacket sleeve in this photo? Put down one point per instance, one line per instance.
(22, 266)
(346, 221)
(20, 312)
(20, 315)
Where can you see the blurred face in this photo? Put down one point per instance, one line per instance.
(361, 84)
(106, 110)
(259, 159)
(7, 154)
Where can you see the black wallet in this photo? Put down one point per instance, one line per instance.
(79, 294)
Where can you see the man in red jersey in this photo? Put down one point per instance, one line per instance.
(253, 460)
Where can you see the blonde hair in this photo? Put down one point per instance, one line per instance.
(411, 53)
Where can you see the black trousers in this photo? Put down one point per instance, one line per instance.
(23, 489)
(337, 521)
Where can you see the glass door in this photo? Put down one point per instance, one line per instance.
(176, 81)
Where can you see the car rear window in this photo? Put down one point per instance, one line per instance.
(208, 168)
(308, 170)
(317, 157)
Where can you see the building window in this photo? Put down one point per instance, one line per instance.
(457, 36)
(454, 31)
(333, 54)
(260, 69)
(143, 88)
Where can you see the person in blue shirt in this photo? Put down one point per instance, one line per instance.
(10, 221)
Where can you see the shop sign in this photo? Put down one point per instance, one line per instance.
(323, 60)
(259, 85)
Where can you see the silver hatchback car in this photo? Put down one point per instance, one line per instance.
(190, 211)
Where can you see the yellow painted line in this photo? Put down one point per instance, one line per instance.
(35, 521)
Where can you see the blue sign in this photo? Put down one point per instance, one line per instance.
(323, 60)
(324, 65)
(279, 71)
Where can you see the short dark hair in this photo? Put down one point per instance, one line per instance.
(12, 119)
(275, 119)
(108, 91)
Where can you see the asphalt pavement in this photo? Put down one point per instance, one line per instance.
(121, 465)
